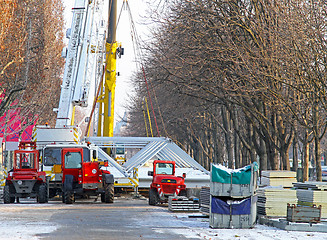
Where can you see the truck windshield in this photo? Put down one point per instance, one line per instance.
(73, 160)
(120, 150)
(52, 155)
(164, 168)
(26, 160)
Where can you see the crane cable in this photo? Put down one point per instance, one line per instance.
(144, 117)
(134, 34)
(149, 118)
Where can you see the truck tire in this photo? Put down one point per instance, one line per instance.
(109, 193)
(6, 195)
(43, 193)
(153, 197)
(183, 193)
(103, 197)
(69, 197)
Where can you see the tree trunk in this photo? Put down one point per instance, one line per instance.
(295, 156)
(228, 136)
(305, 165)
(263, 155)
(318, 158)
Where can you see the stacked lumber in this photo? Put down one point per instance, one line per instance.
(278, 178)
(273, 201)
(313, 193)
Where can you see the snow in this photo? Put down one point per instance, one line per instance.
(199, 228)
(23, 229)
(228, 170)
(15, 226)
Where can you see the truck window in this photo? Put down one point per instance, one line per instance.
(73, 160)
(52, 156)
(120, 150)
(25, 160)
(86, 155)
(164, 168)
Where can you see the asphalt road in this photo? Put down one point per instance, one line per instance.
(126, 218)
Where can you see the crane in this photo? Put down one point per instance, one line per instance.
(88, 49)
(107, 99)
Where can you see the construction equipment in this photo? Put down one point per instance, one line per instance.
(91, 54)
(85, 57)
(82, 177)
(26, 179)
(164, 182)
(52, 163)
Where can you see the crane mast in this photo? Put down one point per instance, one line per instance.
(83, 55)
(107, 98)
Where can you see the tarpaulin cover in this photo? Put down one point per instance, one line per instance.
(236, 208)
(238, 176)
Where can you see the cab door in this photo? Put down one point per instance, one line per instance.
(72, 162)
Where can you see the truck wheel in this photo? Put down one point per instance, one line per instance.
(69, 197)
(43, 193)
(103, 197)
(183, 193)
(109, 193)
(6, 195)
(153, 197)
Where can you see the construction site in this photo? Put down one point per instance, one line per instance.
(217, 142)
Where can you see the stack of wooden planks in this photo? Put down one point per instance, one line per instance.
(272, 201)
(278, 178)
(312, 193)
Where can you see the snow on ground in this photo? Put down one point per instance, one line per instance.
(16, 226)
(199, 228)
(33, 222)
(23, 229)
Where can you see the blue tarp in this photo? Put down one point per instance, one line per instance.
(237, 208)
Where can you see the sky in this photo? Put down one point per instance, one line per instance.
(126, 65)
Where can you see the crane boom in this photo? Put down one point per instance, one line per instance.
(86, 37)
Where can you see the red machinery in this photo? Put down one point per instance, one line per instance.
(84, 178)
(26, 179)
(165, 183)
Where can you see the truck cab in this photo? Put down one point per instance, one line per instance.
(164, 182)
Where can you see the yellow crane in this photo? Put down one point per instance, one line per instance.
(107, 89)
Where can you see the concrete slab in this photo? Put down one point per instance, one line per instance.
(293, 226)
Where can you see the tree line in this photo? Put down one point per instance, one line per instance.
(31, 40)
(237, 81)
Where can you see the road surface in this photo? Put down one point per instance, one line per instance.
(126, 218)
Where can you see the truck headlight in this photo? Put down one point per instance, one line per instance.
(20, 182)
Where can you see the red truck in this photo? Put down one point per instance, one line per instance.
(82, 178)
(26, 179)
(164, 182)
